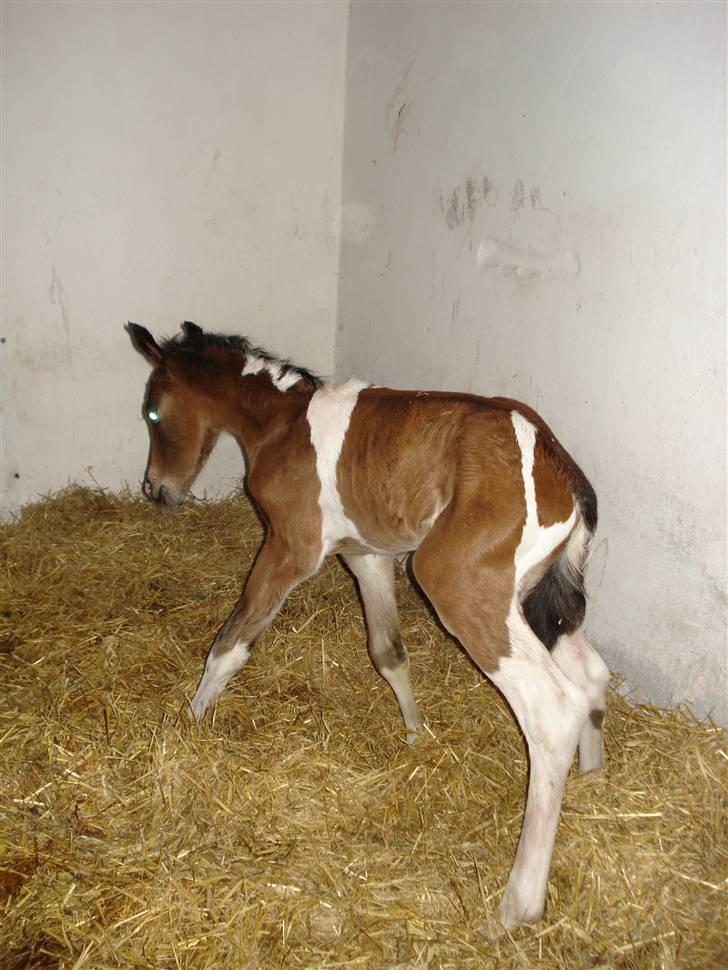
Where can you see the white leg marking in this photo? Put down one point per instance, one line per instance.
(399, 680)
(329, 414)
(551, 711)
(578, 659)
(218, 671)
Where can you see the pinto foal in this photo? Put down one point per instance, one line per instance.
(497, 516)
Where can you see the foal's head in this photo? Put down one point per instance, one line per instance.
(181, 409)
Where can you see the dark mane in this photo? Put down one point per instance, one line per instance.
(200, 341)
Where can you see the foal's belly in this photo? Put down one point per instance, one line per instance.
(387, 530)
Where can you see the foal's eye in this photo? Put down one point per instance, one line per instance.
(153, 416)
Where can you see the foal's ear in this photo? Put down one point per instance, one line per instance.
(145, 343)
(193, 334)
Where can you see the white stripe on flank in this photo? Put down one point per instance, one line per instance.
(537, 541)
(329, 414)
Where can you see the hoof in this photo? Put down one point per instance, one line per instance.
(492, 930)
(196, 711)
(513, 911)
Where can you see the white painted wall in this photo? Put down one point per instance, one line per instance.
(534, 204)
(162, 161)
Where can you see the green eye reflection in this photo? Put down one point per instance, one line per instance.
(153, 416)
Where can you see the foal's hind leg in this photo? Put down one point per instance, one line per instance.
(550, 709)
(276, 571)
(375, 576)
(578, 659)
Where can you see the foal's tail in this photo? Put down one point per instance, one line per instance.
(556, 605)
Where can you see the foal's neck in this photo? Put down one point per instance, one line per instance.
(258, 413)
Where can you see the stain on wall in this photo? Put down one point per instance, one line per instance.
(504, 259)
(399, 110)
(490, 192)
(461, 204)
(398, 126)
(58, 298)
(472, 198)
(517, 196)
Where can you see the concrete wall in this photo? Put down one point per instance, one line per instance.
(162, 161)
(534, 204)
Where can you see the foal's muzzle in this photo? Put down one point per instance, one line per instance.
(164, 496)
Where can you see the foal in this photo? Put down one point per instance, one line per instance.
(497, 515)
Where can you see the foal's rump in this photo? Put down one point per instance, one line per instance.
(554, 602)
(551, 593)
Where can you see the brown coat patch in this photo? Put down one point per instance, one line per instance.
(554, 502)
(407, 457)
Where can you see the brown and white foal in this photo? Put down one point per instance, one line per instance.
(496, 514)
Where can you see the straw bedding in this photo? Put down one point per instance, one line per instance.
(296, 829)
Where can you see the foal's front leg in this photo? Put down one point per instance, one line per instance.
(276, 571)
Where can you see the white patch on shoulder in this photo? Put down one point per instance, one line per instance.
(537, 541)
(329, 414)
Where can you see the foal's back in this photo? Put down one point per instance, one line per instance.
(407, 456)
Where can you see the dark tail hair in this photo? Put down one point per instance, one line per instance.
(556, 605)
